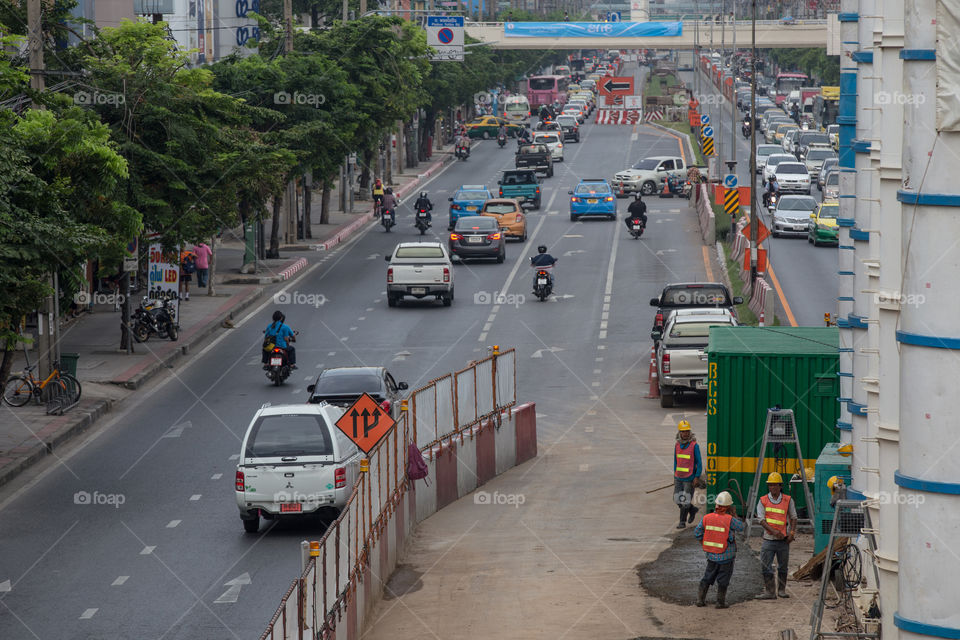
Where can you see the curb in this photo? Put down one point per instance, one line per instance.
(287, 273)
(292, 268)
(78, 423)
(685, 139)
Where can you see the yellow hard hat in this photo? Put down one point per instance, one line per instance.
(724, 499)
(832, 482)
(683, 425)
(845, 450)
(774, 478)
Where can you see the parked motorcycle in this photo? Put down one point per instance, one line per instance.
(388, 219)
(278, 368)
(155, 317)
(422, 221)
(636, 229)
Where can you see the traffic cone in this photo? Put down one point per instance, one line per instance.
(621, 193)
(654, 391)
(666, 189)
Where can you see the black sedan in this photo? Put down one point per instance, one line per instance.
(342, 386)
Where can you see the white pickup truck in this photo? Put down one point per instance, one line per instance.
(648, 175)
(419, 269)
(681, 359)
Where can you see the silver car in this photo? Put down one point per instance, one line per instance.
(764, 151)
(831, 185)
(787, 142)
(815, 159)
(829, 165)
(771, 164)
(792, 216)
(793, 177)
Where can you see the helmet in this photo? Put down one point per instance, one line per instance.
(724, 499)
(638, 196)
(423, 194)
(774, 478)
(278, 316)
(389, 190)
(833, 482)
(542, 248)
(683, 425)
(845, 450)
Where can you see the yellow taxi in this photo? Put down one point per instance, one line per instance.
(823, 224)
(486, 127)
(509, 215)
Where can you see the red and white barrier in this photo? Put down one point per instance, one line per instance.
(618, 116)
(288, 273)
(655, 114)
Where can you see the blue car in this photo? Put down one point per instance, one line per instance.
(467, 201)
(593, 197)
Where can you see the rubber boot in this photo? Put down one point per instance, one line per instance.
(702, 595)
(691, 512)
(782, 587)
(683, 518)
(770, 589)
(721, 597)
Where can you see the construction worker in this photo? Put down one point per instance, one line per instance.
(693, 115)
(716, 533)
(778, 517)
(687, 467)
(838, 490)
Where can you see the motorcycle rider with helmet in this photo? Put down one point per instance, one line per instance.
(282, 336)
(543, 259)
(773, 188)
(423, 202)
(636, 211)
(390, 201)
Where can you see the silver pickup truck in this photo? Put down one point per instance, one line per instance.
(419, 269)
(681, 359)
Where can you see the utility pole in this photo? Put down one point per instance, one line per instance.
(733, 108)
(723, 82)
(288, 26)
(754, 209)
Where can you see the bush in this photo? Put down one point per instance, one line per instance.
(723, 224)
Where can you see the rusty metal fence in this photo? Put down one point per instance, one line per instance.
(315, 601)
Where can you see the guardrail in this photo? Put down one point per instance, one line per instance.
(448, 406)
(692, 23)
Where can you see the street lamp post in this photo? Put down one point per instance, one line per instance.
(755, 213)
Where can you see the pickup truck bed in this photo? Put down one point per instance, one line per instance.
(539, 160)
(418, 276)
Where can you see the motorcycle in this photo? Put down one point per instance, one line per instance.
(771, 202)
(462, 152)
(636, 228)
(677, 187)
(745, 128)
(388, 219)
(155, 317)
(422, 221)
(542, 283)
(502, 140)
(278, 369)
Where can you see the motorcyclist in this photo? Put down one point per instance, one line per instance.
(524, 136)
(377, 191)
(423, 202)
(543, 259)
(773, 188)
(282, 336)
(390, 201)
(636, 211)
(463, 143)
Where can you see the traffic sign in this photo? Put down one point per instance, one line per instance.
(633, 102)
(707, 132)
(616, 86)
(731, 202)
(365, 422)
(762, 232)
(730, 181)
(445, 35)
(704, 119)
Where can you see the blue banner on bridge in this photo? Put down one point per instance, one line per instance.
(592, 29)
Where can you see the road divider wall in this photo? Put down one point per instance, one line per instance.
(705, 215)
(346, 572)
(761, 297)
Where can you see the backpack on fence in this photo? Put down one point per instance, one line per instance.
(416, 465)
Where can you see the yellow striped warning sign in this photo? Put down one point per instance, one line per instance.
(708, 146)
(731, 202)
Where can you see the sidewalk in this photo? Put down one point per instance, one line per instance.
(108, 375)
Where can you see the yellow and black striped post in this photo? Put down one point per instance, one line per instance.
(708, 146)
(731, 203)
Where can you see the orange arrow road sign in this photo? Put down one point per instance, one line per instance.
(365, 422)
(762, 232)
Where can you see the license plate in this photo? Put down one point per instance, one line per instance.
(418, 291)
(474, 239)
(291, 507)
(592, 200)
(636, 227)
(471, 208)
(276, 362)
(542, 281)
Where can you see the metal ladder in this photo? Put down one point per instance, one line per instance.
(851, 519)
(781, 428)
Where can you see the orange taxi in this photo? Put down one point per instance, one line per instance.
(509, 215)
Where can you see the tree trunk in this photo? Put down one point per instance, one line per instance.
(212, 271)
(274, 251)
(427, 126)
(368, 160)
(307, 203)
(7, 362)
(325, 202)
(126, 342)
(388, 168)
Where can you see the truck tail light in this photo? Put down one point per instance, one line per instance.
(666, 363)
(240, 482)
(658, 321)
(390, 275)
(340, 478)
(446, 274)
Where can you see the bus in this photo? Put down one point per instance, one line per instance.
(787, 82)
(543, 90)
(516, 109)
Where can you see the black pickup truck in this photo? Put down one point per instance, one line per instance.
(536, 157)
(691, 295)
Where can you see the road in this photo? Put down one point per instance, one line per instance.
(806, 275)
(154, 548)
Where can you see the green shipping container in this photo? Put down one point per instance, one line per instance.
(752, 369)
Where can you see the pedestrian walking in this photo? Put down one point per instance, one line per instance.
(687, 467)
(717, 534)
(188, 266)
(778, 517)
(203, 254)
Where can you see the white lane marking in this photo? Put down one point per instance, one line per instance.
(599, 359)
(148, 550)
(491, 317)
(233, 593)
(353, 328)
(369, 308)
(294, 391)
(603, 324)
(173, 523)
(605, 315)
(495, 309)
(482, 337)
(606, 306)
(89, 613)
(602, 336)
(319, 365)
(588, 430)
(601, 347)
(332, 353)
(584, 467)
(119, 581)
(362, 318)
(195, 497)
(235, 456)
(595, 371)
(487, 326)
(576, 236)
(344, 339)
(216, 476)
(595, 384)
(634, 136)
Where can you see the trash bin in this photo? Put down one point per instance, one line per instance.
(68, 363)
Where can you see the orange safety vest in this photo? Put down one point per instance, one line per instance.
(685, 460)
(716, 532)
(775, 514)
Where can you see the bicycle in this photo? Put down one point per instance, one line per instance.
(18, 390)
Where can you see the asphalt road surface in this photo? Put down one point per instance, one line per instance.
(136, 533)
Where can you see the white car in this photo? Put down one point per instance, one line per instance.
(787, 142)
(575, 112)
(772, 161)
(792, 215)
(794, 177)
(553, 142)
(763, 152)
(831, 185)
(294, 461)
